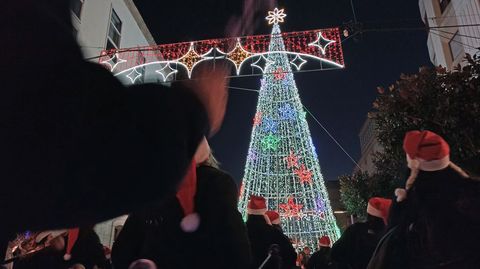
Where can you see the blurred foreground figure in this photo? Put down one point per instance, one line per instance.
(199, 227)
(436, 219)
(77, 147)
(321, 259)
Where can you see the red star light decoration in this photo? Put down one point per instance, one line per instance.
(292, 160)
(291, 209)
(304, 175)
(257, 120)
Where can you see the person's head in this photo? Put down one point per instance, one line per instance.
(142, 264)
(57, 243)
(257, 205)
(274, 218)
(306, 250)
(377, 212)
(77, 266)
(53, 239)
(324, 242)
(426, 152)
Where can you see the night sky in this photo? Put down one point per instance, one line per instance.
(340, 99)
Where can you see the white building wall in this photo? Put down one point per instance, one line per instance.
(444, 25)
(92, 30)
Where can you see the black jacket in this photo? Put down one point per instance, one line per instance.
(356, 246)
(88, 250)
(262, 236)
(220, 242)
(321, 259)
(81, 147)
(440, 221)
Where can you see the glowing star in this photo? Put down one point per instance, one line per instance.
(166, 72)
(292, 160)
(303, 174)
(238, 55)
(113, 62)
(290, 209)
(257, 120)
(298, 61)
(321, 42)
(262, 63)
(269, 125)
(279, 74)
(287, 112)
(190, 59)
(252, 156)
(270, 142)
(276, 16)
(134, 75)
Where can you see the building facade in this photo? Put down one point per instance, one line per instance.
(103, 25)
(368, 146)
(453, 30)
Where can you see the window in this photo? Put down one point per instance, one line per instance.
(444, 4)
(114, 32)
(76, 7)
(455, 45)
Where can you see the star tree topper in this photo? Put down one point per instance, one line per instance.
(276, 16)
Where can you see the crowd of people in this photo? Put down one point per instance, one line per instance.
(79, 148)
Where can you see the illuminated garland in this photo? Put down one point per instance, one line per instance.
(169, 59)
(285, 168)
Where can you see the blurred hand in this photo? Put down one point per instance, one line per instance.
(211, 88)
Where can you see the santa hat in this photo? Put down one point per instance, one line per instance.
(72, 239)
(379, 207)
(257, 205)
(188, 189)
(274, 217)
(324, 241)
(426, 151)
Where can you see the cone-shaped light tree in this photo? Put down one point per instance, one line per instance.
(282, 164)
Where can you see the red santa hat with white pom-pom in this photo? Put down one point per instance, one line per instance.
(426, 151)
(188, 188)
(72, 237)
(324, 241)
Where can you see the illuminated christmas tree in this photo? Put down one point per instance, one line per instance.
(282, 164)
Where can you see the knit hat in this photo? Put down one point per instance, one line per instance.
(379, 207)
(257, 205)
(274, 217)
(72, 239)
(426, 151)
(324, 241)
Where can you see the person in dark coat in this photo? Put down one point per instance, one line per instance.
(438, 210)
(206, 233)
(86, 250)
(262, 236)
(70, 125)
(357, 244)
(321, 259)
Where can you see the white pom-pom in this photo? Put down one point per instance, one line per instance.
(190, 223)
(67, 257)
(401, 194)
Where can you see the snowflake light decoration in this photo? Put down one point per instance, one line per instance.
(304, 174)
(269, 125)
(238, 55)
(276, 16)
(190, 59)
(270, 142)
(166, 72)
(257, 120)
(291, 209)
(134, 75)
(292, 160)
(287, 112)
